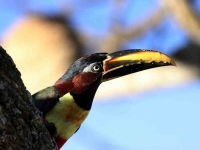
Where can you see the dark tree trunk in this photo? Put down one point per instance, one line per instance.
(21, 125)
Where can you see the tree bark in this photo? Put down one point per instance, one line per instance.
(21, 125)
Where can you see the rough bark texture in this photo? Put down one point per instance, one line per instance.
(21, 125)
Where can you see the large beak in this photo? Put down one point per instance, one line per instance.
(129, 61)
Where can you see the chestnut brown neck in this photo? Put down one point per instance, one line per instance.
(82, 87)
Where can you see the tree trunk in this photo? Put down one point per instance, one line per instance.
(21, 125)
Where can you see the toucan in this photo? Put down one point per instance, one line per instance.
(67, 103)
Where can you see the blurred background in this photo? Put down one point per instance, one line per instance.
(156, 109)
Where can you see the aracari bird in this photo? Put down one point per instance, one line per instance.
(68, 102)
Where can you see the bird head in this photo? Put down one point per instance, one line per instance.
(86, 74)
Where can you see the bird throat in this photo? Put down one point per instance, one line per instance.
(82, 88)
(85, 99)
(85, 87)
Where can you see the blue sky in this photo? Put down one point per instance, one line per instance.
(161, 119)
(95, 18)
(164, 119)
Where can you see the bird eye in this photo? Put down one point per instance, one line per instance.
(96, 67)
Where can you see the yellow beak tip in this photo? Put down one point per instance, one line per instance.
(173, 63)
